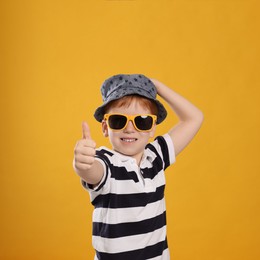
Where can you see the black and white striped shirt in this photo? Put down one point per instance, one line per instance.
(129, 219)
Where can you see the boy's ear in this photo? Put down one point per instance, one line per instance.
(104, 128)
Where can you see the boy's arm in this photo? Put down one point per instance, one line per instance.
(190, 117)
(84, 163)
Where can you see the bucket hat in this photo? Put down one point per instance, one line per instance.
(122, 85)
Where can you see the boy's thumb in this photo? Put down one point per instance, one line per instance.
(85, 131)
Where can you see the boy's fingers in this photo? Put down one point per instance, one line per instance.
(85, 131)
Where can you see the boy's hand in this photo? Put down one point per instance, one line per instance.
(84, 153)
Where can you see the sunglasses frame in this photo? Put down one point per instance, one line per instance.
(132, 119)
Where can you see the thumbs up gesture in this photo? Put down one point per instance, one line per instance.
(85, 131)
(84, 151)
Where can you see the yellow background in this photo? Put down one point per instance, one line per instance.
(54, 57)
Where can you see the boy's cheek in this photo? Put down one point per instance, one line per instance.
(152, 132)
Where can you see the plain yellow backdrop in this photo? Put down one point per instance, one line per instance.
(55, 56)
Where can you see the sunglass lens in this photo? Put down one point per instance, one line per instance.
(117, 122)
(144, 122)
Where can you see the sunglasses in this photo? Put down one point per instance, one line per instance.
(143, 123)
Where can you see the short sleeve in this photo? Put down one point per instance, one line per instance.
(103, 186)
(165, 149)
(169, 142)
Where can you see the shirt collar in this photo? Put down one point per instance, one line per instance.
(125, 158)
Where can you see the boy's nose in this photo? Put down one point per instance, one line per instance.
(130, 127)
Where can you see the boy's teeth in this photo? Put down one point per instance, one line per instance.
(128, 139)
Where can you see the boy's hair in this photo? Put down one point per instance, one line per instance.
(127, 100)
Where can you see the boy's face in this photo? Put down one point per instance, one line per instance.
(129, 141)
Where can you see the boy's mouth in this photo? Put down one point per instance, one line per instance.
(129, 140)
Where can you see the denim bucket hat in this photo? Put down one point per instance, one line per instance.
(122, 85)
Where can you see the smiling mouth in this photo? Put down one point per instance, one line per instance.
(129, 140)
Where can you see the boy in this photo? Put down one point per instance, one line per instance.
(126, 183)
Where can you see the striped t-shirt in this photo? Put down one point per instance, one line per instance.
(129, 218)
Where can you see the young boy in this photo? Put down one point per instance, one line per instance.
(126, 183)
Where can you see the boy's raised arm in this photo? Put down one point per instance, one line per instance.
(190, 117)
(84, 163)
